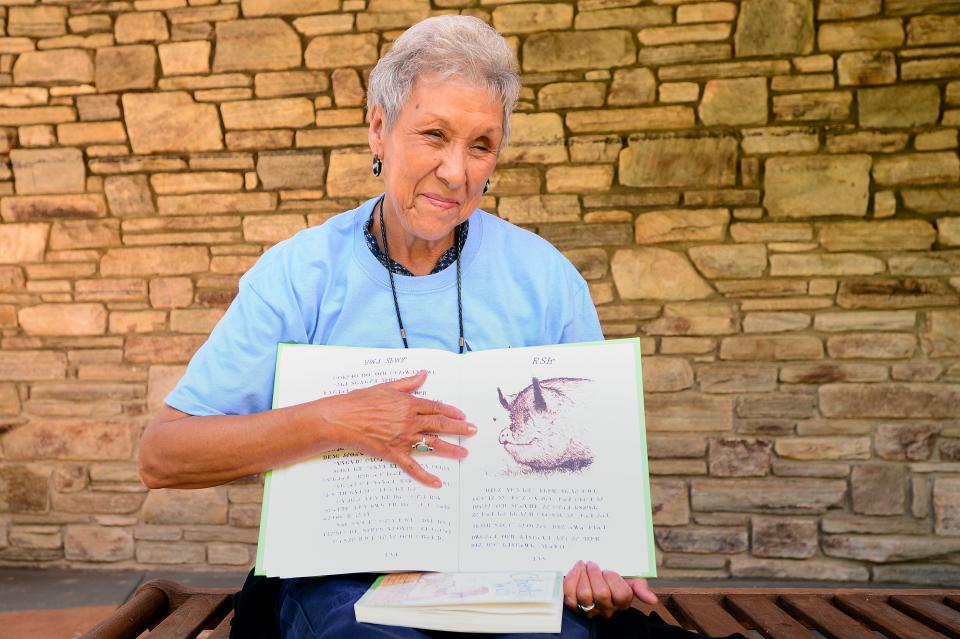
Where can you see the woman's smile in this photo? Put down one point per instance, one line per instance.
(439, 201)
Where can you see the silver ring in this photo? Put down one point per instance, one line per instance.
(586, 608)
(422, 446)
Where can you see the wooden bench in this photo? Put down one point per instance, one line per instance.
(172, 611)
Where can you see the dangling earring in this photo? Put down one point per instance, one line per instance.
(486, 187)
(377, 166)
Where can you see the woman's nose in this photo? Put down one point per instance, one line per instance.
(453, 168)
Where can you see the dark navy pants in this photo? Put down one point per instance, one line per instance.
(322, 607)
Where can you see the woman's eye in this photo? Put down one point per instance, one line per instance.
(435, 134)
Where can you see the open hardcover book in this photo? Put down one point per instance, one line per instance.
(556, 473)
(466, 602)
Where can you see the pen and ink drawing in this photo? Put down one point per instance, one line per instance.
(549, 427)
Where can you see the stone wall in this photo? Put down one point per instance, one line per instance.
(767, 192)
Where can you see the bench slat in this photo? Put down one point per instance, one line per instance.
(773, 622)
(222, 631)
(707, 615)
(931, 612)
(818, 612)
(658, 608)
(953, 601)
(876, 613)
(191, 617)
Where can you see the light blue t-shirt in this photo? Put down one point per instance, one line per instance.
(324, 286)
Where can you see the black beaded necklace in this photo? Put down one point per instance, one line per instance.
(393, 287)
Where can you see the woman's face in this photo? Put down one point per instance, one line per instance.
(438, 154)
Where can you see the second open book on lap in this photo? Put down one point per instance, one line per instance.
(557, 471)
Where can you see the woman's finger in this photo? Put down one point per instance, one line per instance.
(435, 407)
(407, 384)
(570, 581)
(445, 449)
(444, 425)
(409, 465)
(642, 590)
(620, 591)
(585, 593)
(601, 591)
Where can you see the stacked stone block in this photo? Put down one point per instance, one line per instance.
(766, 192)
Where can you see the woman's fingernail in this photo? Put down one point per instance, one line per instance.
(471, 429)
(436, 483)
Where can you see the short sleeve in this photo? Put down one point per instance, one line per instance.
(232, 373)
(582, 325)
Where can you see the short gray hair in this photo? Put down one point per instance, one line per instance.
(451, 46)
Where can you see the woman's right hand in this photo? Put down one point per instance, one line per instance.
(386, 420)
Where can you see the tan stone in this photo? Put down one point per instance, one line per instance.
(871, 346)
(702, 540)
(53, 66)
(48, 170)
(141, 26)
(898, 400)
(808, 569)
(332, 51)
(266, 114)
(269, 229)
(917, 168)
(632, 86)
(894, 293)
(137, 321)
(43, 207)
(568, 50)
(216, 203)
(815, 105)
(663, 160)
(532, 18)
(324, 24)
(40, 22)
(158, 552)
(255, 8)
(160, 382)
(23, 242)
(155, 349)
(165, 183)
(772, 347)
(97, 543)
(63, 319)
(867, 67)
(69, 439)
(736, 378)
(184, 58)
(91, 133)
(784, 494)
(167, 260)
(783, 537)
(628, 120)
(824, 264)
(912, 442)
(688, 412)
(814, 448)
(128, 195)
(291, 170)
(535, 138)
(24, 489)
(170, 121)
(774, 27)
(283, 83)
(865, 320)
(817, 185)
(670, 503)
(196, 506)
(771, 232)
(775, 322)
(877, 236)
(679, 225)
(734, 102)
(195, 320)
(171, 292)
(862, 34)
(666, 374)
(878, 489)
(942, 200)
(933, 29)
(941, 333)
(694, 318)
(526, 209)
(349, 175)
(126, 67)
(263, 43)
(946, 505)
(653, 273)
(721, 261)
(737, 457)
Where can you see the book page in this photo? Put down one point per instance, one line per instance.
(345, 512)
(557, 471)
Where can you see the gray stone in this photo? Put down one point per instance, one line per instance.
(702, 540)
(893, 400)
(817, 185)
(670, 159)
(24, 488)
(908, 105)
(784, 494)
(878, 489)
(912, 442)
(781, 537)
(737, 457)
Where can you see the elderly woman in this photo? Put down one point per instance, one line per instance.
(417, 266)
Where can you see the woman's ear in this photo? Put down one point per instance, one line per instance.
(376, 130)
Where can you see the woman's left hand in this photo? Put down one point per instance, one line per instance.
(587, 584)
